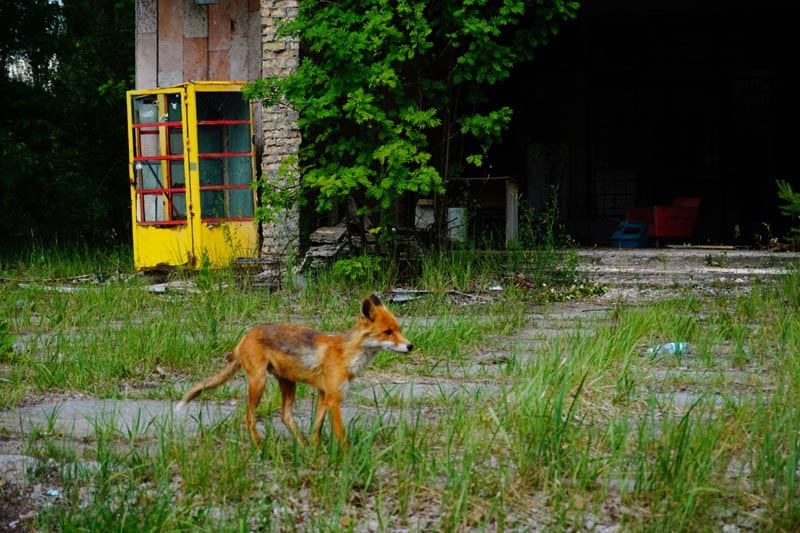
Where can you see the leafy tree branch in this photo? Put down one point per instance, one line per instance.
(393, 95)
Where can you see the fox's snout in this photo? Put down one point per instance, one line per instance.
(395, 345)
(407, 347)
(398, 344)
(401, 344)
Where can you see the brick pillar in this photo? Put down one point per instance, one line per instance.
(281, 56)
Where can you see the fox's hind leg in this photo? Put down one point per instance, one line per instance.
(256, 381)
(288, 389)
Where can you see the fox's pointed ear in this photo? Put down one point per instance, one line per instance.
(368, 306)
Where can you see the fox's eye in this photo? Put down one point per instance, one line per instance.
(387, 332)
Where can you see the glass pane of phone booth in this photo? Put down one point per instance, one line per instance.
(160, 182)
(224, 145)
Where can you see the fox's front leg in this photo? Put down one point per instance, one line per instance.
(322, 410)
(329, 402)
(336, 422)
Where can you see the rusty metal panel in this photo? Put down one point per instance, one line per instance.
(195, 19)
(195, 58)
(146, 65)
(254, 49)
(219, 26)
(219, 67)
(146, 16)
(170, 39)
(238, 47)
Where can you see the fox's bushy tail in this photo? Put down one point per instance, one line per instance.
(225, 374)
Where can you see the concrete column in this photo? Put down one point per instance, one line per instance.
(281, 135)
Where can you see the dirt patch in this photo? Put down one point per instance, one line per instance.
(22, 499)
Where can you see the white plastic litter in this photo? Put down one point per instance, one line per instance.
(672, 348)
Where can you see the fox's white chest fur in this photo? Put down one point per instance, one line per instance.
(360, 361)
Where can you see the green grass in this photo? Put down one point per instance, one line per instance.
(587, 426)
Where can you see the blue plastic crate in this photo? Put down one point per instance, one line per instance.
(630, 235)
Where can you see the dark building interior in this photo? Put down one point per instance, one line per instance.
(638, 103)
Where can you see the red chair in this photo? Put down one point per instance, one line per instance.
(676, 221)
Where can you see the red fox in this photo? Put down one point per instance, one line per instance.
(294, 353)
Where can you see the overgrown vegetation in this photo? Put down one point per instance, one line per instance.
(6, 339)
(571, 430)
(393, 98)
(64, 68)
(791, 209)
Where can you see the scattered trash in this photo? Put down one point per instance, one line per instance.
(50, 288)
(672, 348)
(405, 295)
(521, 282)
(173, 286)
(54, 493)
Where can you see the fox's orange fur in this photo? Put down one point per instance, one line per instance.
(294, 354)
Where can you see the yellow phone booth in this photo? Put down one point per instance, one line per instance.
(192, 162)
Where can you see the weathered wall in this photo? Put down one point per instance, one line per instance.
(179, 41)
(281, 136)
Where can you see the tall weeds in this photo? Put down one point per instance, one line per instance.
(517, 430)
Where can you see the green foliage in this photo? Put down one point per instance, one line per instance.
(357, 269)
(393, 97)
(791, 209)
(487, 129)
(63, 166)
(6, 339)
(274, 202)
